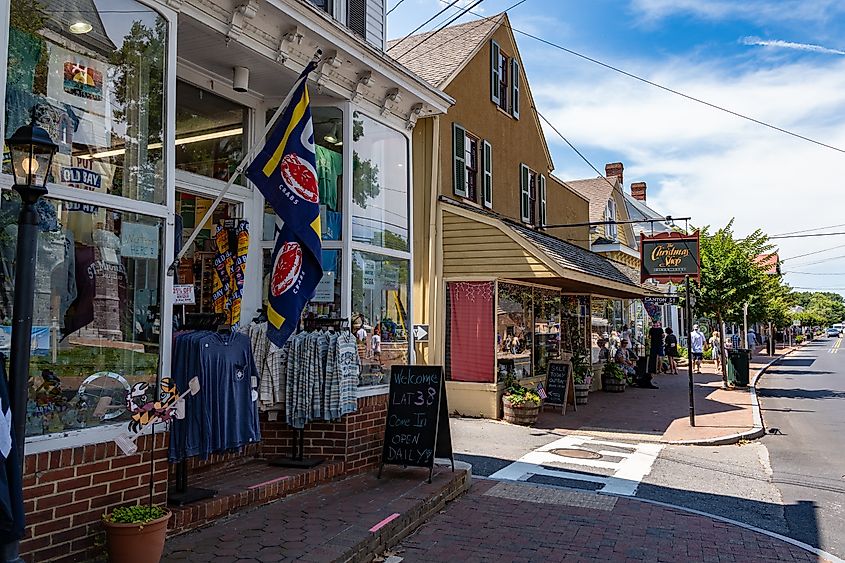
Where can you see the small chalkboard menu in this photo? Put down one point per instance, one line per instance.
(417, 427)
(559, 385)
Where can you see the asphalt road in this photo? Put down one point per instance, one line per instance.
(803, 397)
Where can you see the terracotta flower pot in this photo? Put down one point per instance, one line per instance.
(524, 415)
(136, 543)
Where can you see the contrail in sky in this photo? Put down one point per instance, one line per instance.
(790, 45)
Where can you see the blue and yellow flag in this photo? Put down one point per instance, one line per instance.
(285, 171)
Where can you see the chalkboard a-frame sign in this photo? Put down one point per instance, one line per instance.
(560, 386)
(417, 429)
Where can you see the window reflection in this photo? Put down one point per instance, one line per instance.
(96, 82)
(209, 133)
(379, 184)
(514, 330)
(96, 317)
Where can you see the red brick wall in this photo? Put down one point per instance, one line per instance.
(355, 439)
(67, 491)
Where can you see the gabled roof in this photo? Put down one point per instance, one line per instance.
(639, 210)
(597, 191)
(440, 58)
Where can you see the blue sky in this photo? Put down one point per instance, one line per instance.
(779, 61)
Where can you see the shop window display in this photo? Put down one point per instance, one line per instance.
(328, 141)
(216, 260)
(379, 184)
(326, 301)
(209, 133)
(574, 323)
(96, 321)
(515, 331)
(547, 328)
(380, 299)
(469, 318)
(95, 80)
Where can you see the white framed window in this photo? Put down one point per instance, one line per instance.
(529, 184)
(503, 71)
(611, 229)
(488, 173)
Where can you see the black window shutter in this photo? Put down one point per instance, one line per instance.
(357, 17)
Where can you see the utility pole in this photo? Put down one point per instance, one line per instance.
(688, 315)
(745, 326)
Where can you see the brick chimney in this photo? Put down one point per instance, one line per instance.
(638, 190)
(614, 169)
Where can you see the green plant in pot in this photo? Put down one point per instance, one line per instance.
(613, 378)
(135, 534)
(521, 405)
(582, 374)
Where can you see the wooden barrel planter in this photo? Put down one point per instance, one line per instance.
(613, 385)
(524, 415)
(582, 392)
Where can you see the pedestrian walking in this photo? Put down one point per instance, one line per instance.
(655, 350)
(696, 348)
(671, 346)
(716, 345)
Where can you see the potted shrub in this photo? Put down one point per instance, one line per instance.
(135, 534)
(520, 404)
(583, 375)
(613, 378)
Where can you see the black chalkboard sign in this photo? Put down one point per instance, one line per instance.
(417, 428)
(559, 384)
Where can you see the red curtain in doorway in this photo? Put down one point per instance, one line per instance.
(471, 333)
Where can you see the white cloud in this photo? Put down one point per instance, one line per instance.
(707, 164)
(790, 45)
(757, 11)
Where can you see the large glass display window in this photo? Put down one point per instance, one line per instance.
(380, 301)
(96, 314)
(380, 201)
(95, 80)
(210, 132)
(547, 328)
(515, 330)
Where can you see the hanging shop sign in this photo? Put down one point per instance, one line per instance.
(659, 301)
(669, 257)
(417, 429)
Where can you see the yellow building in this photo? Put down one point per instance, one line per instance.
(500, 292)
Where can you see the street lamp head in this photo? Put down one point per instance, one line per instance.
(32, 152)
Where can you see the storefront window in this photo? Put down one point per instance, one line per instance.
(514, 331)
(470, 340)
(547, 328)
(606, 322)
(574, 324)
(328, 142)
(96, 318)
(326, 302)
(209, 133)
(379, 184)
(200, 265)
(95, 81)
(380, 300)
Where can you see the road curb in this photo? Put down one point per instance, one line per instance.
(806, 547)
(758, 429)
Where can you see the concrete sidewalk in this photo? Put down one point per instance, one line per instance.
(499, 521)
(662, 415)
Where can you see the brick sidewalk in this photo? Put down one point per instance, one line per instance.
(511, 522)
(347, 520)
(663, 414)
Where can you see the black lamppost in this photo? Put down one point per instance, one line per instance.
(32, 152)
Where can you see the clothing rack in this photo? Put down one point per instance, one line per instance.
(180, 493)
(297, 458)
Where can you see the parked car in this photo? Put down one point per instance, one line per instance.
(833, 331)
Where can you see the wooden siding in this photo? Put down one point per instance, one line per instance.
(473, 248)
(375, 23)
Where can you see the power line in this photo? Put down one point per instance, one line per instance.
(419, 27)
(460, 14)
(808, 235)
(808, 230)
(820, 288)
(399, 3)
(817, 273)
(823, 261)
(812, 253)
(666, 88)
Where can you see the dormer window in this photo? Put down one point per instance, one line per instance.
(611, 229)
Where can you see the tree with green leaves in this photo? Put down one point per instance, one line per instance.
(820, 308)
(731, 275)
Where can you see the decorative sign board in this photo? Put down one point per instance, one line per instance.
(183, 294)
(417, 429)
(657, 301)
(560, 385)
(669, 257)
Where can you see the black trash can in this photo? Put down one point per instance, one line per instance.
(642, 367)
(740, 360)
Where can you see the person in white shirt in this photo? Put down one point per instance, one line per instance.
(696, 340)
(361, 335)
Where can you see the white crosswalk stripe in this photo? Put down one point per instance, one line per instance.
(619, 467)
